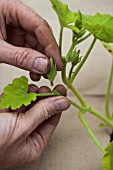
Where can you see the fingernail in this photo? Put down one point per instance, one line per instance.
(41, 65)
(62, 104)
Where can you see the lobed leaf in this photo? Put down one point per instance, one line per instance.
(100, 25)
(108, 157)
(65, 15)
(16, 94)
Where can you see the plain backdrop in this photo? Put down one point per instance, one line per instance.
(70, 147)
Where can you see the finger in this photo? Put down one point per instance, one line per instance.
(43, 133)
(61, 89)
(43, 110)
(37, 77)
(33, 88)
(44, 89)
(32, 42)
(45, 76)
(15, 36)
(24, 58)
(34, 76)
(31, 39)
(32, 22)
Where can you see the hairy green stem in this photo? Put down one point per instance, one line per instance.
(70, 72)
(54, 93)
(83, 121)
(82, 101)
(72, 88)
(84, 38)
(78, 95)
(60, 40)
(83, 61)
(108, 93)
(64, 78)
(75, 104)
(88, 108)
(76, 43)
(100, 116)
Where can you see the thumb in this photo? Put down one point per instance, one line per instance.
(24, 58)
(42, 111)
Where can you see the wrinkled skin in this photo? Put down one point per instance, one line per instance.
(27, 42)
(26, 131)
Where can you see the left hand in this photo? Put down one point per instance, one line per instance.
(25, 132)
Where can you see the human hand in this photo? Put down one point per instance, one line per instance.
(25, 133)
(26, 40)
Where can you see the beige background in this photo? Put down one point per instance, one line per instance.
(70, 147)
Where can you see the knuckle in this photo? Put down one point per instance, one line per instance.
(22, 58)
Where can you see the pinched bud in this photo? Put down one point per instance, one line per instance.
(74, 57)
(53, 71)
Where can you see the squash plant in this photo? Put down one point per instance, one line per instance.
(99, 27)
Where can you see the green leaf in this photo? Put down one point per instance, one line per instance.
(108, 157)
(109, 47)
(53, 71)
(78, 24)
(65, 15)
(16, 94)
(100, 25)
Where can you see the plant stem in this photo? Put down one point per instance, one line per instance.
(72, 47)
(75, 104)
(80, 115)
(48, 94)
(60, 40)
(75, 42)
(82, 101)
(83, 61)
(70, 72)
(108, 93)
(78, 95)
(72, 88)
(100, 116)
(64, 78)
(84, 38)
(86, 107)
(90, 109)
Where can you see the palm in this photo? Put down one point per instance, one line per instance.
(23, 146)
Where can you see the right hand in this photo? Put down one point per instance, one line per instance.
(26, 40)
